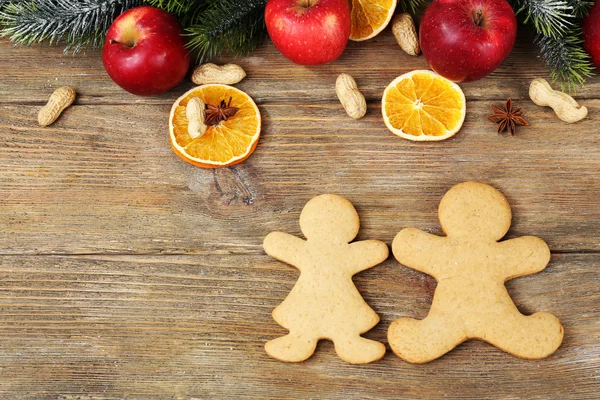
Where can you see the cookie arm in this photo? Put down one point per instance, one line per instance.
(284, 247)
(527, 255)
(366, 254)
(417, 250)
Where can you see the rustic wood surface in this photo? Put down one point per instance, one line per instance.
(127, 273)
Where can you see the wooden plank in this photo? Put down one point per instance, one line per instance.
(271, 77)
(104, 179)
(194, 327)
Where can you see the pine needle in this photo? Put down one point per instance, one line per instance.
(79, 23)
(411, 6)
(186, 11)
(549, 17)
(557, 23)
(580, 7)
(235, 26)
(566, 59)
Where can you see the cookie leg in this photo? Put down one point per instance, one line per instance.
(532, 337)
(422, 341)
(291, 347)
(358, 350)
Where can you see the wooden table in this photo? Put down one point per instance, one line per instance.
(127, 273)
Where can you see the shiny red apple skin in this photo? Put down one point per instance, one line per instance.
(591, 34)
(309, 32)
(460, 49)
(144, 52)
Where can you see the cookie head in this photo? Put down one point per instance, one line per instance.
(476, 211)
(329, 218)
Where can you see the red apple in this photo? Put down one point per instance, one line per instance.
(591, 34)
(466, 40)
(145, 53)
(309, 32)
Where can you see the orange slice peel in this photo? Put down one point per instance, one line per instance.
(229, 142)
(423, 106)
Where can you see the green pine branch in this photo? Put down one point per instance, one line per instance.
(175, 7)
(187, 11)
(78, 23)
(558, 26)
(411, 6)
(235, 26)
(580, 7)
(5, 2)
(566, 59)
(214, 27)
(549, 17)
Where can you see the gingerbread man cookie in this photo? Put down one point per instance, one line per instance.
(324, 303)
(471, 266)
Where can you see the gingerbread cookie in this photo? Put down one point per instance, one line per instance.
(324, 303)
(471, 266)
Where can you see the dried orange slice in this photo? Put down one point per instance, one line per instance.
(226, 143)
(421, 105)
(369, 17)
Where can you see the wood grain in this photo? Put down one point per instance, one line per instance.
(104, 179)
(194, 327)
(126, 273)
(271, 77)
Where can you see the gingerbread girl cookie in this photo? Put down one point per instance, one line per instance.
(324, 303)
(471, 266)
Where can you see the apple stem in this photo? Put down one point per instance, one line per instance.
(128, 44)
(307, 3)
(478, 17)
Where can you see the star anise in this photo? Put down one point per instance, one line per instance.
(508, 118)
(215, 114)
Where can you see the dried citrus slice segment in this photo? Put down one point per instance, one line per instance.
(229, 141)
(369, 17)
(422, 105)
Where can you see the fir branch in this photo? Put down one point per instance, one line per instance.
(566, 59)
(5, 2)
(411, 6)
(558, 25)
(549, 17)
(175, 7)
(235, 26)
(187, 11)
(580, 7)
(79, 23)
